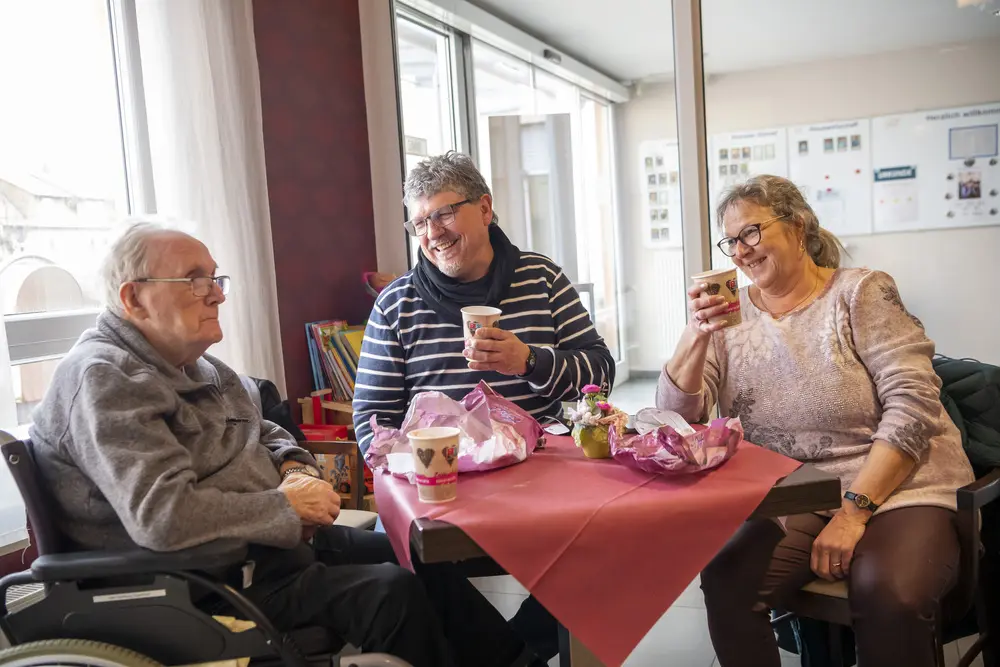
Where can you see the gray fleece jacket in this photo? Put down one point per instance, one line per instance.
(136, 451)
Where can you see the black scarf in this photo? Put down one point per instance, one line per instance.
(447, 296)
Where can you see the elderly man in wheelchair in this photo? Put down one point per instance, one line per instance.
(170, 516)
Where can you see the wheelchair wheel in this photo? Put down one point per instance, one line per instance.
(72, 653)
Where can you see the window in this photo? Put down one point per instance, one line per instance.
(546, 150)
(64, 191)
(426, 92)
(63, 187)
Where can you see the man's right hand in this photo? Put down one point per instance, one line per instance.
(314, 500)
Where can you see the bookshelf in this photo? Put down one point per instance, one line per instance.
(318, 409)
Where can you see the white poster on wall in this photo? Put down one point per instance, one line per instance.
(831, 164)
(736, 156)
(733, 158)
(936, 169)
(660, 173)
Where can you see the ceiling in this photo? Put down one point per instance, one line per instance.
(631, 40)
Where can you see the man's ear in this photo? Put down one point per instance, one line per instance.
(486, 208)
(129, 297)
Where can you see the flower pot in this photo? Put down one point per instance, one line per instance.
(593, 440)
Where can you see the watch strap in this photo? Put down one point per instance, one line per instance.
(304, 469)
(862, 501)
(531, 363)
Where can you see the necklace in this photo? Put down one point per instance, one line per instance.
(793, 308)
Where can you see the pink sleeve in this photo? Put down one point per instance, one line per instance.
(893, 346)
(694, 408)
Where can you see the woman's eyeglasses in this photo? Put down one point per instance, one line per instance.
(748, 236)
(442, 217)
(200, 286)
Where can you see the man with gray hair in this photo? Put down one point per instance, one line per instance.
(544, 352)
(145, 440)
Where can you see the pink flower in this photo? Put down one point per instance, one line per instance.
(603, 405)
(591, 389)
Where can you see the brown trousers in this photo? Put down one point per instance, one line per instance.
(904, 565)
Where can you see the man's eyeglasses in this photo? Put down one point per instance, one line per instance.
(748, 236)
(442, 217)
(200, 286)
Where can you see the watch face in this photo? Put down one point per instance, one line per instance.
(862, 501)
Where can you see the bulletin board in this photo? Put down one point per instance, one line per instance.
(832, 165)
(936, 169)
(736, 156)
(659, 170)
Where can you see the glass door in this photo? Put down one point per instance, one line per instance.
(547, 152)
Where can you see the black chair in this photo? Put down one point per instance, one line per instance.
(140, 601)
(828, 602)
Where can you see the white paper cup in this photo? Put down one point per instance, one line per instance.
(435, 463)
(722, 282)
(479, 317)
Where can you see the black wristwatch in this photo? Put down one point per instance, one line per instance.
(861, 501)
(532, 360)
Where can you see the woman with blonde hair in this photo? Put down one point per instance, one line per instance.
(827, 367)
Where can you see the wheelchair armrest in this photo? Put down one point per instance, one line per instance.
(214, 555)
(980, 492)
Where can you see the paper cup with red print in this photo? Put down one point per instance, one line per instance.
(435, 463)
(479, 317)
(722, 282)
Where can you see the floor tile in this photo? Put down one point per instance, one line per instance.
(692, 596)
(634, 395)
(504, 584)
(506, 603)
(961, 646)
(680, 637)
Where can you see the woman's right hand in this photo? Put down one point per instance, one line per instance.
(704, 308)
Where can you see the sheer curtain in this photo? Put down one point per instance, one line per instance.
(202, 91)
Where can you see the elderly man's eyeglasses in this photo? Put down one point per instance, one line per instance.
(442, 217)
(748, 236)
(200, 286)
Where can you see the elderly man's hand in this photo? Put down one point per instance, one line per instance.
(497, 350)
(314, 500)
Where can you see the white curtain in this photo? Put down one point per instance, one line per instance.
(202, 92)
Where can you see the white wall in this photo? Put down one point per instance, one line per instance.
(936, 270)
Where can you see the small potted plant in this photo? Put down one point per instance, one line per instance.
(592, 418)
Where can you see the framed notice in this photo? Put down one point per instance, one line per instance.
(660, 173)
(831, 164)
(936, 169)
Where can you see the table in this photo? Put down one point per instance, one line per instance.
(807, 489)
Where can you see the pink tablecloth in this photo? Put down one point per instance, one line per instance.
(605, 548)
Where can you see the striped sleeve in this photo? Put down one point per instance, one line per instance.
(380, 389)
(580, 356)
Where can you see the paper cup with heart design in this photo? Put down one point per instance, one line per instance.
(479, 317)
(435, 462)
(722, 282)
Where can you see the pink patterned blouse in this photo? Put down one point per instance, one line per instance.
(821, 384)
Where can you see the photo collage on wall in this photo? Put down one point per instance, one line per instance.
(972, 153)
(937, 169)
(735, 162)
(661, 185)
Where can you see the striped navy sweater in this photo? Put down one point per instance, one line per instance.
(407, 349)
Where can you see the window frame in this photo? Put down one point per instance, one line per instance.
(460, 93)
(50, 334)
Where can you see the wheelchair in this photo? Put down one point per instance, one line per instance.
(135, 609)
